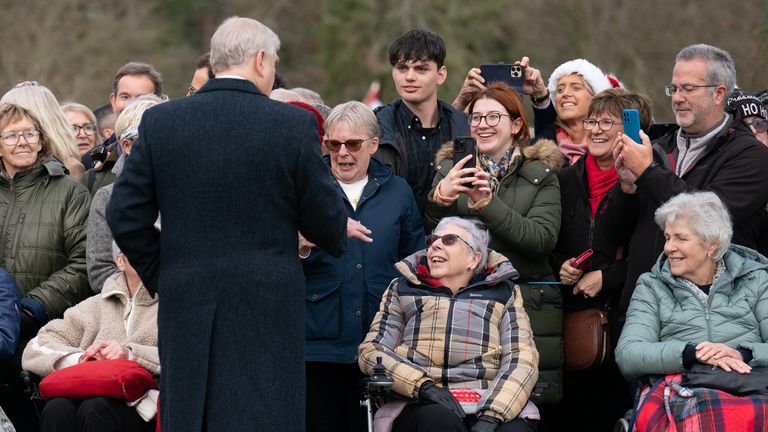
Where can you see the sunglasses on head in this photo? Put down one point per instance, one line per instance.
(352, 145)
(448, 239)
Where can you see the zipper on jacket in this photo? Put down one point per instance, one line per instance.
(17, 236)
(8, 213)
(446, 351)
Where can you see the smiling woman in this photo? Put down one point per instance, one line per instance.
(454, 323)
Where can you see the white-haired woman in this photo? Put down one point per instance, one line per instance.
(99, 260)
(43, 104)
(454, 321)
(704, 301)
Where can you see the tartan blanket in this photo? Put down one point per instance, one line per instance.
(667, 406)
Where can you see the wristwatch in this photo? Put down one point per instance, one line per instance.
(538, 100)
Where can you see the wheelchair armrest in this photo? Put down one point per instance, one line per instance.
(31, 383)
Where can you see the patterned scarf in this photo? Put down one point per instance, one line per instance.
(497, 170)
(571, 150)
(599, 181)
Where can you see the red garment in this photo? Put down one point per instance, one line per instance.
(599, 181)
(422, 271)
(669, 407)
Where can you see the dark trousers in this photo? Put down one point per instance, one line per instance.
(97, 414)
(430, 417)
(333, 398)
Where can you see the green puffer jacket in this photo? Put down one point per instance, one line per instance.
(43, 215)
(664, 315)
(523, 219)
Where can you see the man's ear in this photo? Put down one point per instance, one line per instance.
(442, 75)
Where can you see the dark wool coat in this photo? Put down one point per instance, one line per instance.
(234, 175)
(732, 166)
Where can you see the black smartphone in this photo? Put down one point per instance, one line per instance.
(463, 146)
(511, 74)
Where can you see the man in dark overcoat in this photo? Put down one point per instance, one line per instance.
(235, 176)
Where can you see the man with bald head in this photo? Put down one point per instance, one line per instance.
(235, 176)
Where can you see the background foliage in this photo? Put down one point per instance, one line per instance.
(339, 46)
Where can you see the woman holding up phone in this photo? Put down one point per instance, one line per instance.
(514, 191)
(596, 282)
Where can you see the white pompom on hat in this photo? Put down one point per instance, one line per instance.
(591, 74)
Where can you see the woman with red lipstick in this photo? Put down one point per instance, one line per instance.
(583, 188)
(83, 124)
(514, 191)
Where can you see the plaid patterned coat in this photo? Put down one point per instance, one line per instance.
(479, 338)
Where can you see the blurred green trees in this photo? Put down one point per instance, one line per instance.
(339, 46)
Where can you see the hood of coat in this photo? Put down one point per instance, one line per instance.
(544, 150)
(739, 260)
(499, 268)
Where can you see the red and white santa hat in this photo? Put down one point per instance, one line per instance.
(592, 75)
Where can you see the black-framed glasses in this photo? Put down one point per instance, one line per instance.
(491, 119)
(671, 89)
(191, 91)
(758, 124)
(605, 124)
(88, 129)
(31, 136)
(353, 145)
(448, 240)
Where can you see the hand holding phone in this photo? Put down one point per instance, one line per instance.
(580, 262)
(511, 74)
(463, 146)
(631, 119)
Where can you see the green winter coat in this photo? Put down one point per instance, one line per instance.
(43, 215)
(523, 219)
(664, 315)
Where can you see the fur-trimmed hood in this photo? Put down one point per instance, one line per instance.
(543, 150)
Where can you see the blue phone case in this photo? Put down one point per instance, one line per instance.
(631, 119)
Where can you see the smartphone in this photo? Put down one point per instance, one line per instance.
(511, 74)
(463, 146)
(631, 119)
(581, 261)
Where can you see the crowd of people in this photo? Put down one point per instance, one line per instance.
(250, 236)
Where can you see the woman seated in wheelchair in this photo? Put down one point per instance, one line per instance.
(453, 329)
(120, 322)
(705, 302)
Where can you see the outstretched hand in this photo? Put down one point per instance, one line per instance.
(473, 83)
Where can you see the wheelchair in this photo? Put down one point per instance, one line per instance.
(377, 387)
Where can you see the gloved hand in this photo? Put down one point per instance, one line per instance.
(431, 393)
(486, 424)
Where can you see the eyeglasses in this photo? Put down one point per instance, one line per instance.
(88, 129)
(191, 91)
(31, 136)
(671, 89)
(352, 145)
(758, 124)
(605, 124)
(448, 240)
(491, 119)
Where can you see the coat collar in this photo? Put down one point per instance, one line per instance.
(235, 84)
(116, 287)
(499, 268)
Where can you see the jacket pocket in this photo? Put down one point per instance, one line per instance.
(323, 310)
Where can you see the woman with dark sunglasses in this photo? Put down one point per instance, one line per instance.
(343, 294)
(513, 189)
(453, 334)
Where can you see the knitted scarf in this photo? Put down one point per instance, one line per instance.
(496, 170)
(599, 181)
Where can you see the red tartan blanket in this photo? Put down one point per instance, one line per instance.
(670, 407)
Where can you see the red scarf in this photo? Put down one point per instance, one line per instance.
(599, 181)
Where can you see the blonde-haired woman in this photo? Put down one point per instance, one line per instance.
(42, 103)
(84, 126)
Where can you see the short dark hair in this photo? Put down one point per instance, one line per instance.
(418, 44)
(138, 68)
(615, 100)
(204, 61)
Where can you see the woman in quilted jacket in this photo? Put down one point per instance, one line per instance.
(120, 322)
(453, 326)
